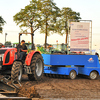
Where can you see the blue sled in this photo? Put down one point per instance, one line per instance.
(81, 64)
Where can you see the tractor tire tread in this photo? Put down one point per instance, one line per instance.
(15, 71)
(33, 76)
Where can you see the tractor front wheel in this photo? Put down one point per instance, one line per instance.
(16, 72)
(37, 67)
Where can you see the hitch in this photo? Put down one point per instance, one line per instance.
(9, 90)
(7, 85)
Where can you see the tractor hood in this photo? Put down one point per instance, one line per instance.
(7, 55)
(3, 50)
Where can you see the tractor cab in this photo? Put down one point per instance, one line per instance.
(29, 46)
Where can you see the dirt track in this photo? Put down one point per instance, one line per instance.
(81, 88)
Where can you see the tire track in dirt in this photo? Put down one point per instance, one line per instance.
(66, 88)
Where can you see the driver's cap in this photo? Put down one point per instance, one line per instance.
(23, 41)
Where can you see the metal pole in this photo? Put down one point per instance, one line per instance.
(5, 37)
(91, 36)
(68, 34)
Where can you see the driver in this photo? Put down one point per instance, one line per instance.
(23, 49)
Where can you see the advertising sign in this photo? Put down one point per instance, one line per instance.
(79, 36)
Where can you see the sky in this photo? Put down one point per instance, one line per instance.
(88, 9)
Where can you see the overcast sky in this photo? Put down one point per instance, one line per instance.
(88, 9)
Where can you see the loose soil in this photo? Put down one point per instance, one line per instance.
(81, 88)
(29, 92)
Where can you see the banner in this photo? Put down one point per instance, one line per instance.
(79, 36)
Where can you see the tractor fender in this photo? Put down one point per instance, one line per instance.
(29, 57)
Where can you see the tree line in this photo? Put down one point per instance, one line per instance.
(45, 16)
(2, 22)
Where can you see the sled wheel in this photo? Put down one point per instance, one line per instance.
(72, 74)
(93, 75)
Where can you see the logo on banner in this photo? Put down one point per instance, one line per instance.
(79, 26)
(91, 59)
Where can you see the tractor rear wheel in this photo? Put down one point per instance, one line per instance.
(37, 67)
(16, 72)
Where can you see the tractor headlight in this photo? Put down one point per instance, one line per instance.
(1, 56)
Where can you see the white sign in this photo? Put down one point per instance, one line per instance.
(79, 36)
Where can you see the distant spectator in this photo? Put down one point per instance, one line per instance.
(82, 53)
(97, 54)
(1, 45)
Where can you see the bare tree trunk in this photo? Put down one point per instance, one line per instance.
(46, 36)
(32, 39)
(66, 31)
(31, 34)
(45, 40)
(66, 37)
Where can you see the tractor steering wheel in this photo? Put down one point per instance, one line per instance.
(19, 50)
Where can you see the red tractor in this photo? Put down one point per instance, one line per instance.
(32, 64)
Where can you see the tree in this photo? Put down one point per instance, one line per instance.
(29, 17)
(2, 22)
(49, 13)
(62, 25)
